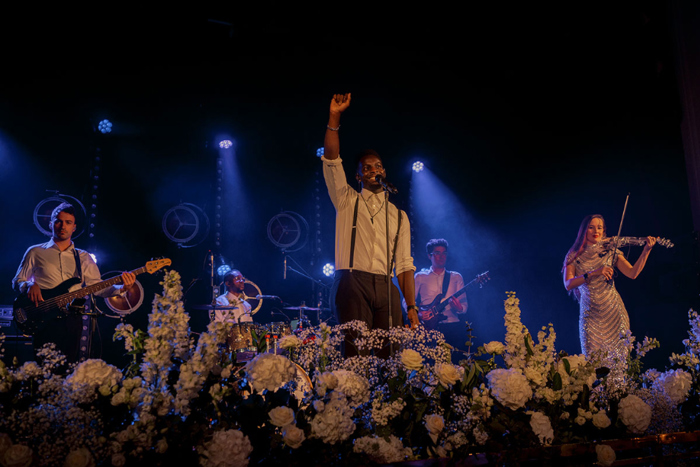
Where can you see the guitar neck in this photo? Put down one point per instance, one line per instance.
(91, 289)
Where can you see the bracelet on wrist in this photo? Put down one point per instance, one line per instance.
(333, 129)
(412, 307)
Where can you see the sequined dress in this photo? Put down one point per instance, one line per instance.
(603, 315)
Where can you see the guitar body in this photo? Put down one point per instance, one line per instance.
(436, 312)
(30, 318)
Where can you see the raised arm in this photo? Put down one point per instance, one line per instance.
(331, 143)
(633, 271)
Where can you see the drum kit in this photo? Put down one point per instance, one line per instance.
(247, 338)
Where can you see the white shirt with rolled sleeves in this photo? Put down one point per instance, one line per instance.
(370, 240)
(47, 266)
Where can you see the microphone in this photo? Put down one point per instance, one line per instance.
(387, 185)
(271, 297)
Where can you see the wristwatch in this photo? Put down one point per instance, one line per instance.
(585, 276)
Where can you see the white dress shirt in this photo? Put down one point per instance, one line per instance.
(370, 240)
(242, 310)
(47, 266)
(429, 285)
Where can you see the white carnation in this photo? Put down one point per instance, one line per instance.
(606, 454)
(382, 451)
(601, 420)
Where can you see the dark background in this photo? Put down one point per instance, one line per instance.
(531, 116)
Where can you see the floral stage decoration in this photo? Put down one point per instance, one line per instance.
(187, 401)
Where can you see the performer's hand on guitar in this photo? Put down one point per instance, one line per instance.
(340, 102)
(34, 294)
(128, 278)
(456, 306)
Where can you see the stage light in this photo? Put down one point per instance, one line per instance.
(225, 144)
(319, 152)
(328, 269)
(105, 126)
(223, 270)
(418, 166)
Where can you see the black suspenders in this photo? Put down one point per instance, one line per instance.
(354, 233)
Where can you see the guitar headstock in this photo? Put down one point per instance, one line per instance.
(157, 264)
(482, 278)
(664, 242)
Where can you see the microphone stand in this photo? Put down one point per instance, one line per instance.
(388, 263)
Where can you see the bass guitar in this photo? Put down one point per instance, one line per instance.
(31, 318)
(432, 313)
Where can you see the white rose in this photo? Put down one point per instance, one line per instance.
(606, 454)
(289, 342)
(434, 423)
(118, 459)
(5, 443)
(319, 406)
(293, 436)
(635, 414)
(281, 416)
(447, 374)
(494, 347)
(17, 455)
(161, 446)
(411, 359)
(79, 458)
(601, 420)
(580, 420)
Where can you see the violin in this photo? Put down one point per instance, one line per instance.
(633, 241)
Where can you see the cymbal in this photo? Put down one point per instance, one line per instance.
(213, 307)
(305, 308)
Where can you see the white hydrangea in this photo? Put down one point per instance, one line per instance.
(354, 386)
(229, 448)
(542, 427)
(333, 423)
(324, 382)
(676, 384)
(509, 387)
(96, 374)
(269, 371)
(635, 414)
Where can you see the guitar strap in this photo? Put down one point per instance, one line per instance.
(87, 321)
(446, 282)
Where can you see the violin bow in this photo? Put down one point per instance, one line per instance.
(617, 239)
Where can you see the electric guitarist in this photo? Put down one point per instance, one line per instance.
(439, 281)
(46, 266)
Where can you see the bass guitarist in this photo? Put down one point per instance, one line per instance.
(46, 266)
(439, 281)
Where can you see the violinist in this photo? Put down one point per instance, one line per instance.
(588, 272)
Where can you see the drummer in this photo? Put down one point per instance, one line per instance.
(234, 297)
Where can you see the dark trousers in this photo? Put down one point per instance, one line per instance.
(69, 336)
(363, 296)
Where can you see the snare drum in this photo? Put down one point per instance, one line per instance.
(241, 338)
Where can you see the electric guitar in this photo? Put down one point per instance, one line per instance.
(430, 314)
(31, 318)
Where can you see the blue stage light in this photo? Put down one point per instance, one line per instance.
(328, 269)
(225, 144)
(418, 166)
(105, 126)
(223, 270)
(319, 152)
